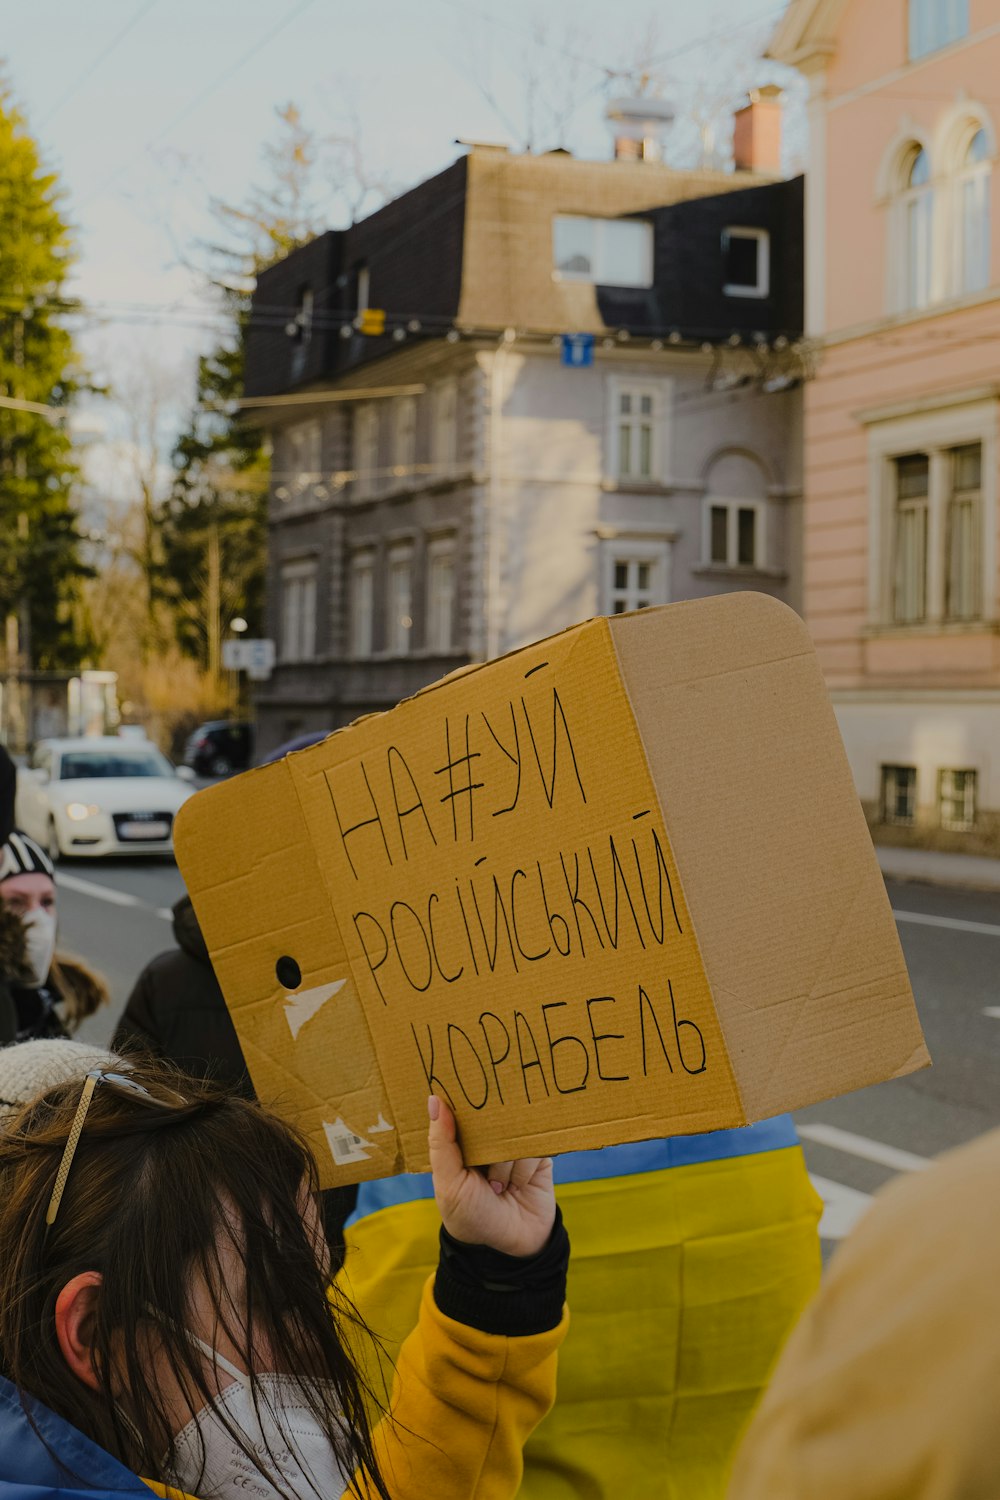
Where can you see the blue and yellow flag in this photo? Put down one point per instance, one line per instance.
(692, 1258)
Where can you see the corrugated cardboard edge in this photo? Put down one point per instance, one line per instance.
(798, 769)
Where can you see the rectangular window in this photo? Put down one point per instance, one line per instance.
(298, 611)
(746, 262)
(444, 427)
(910, 559)
(962, 533)
(636, 433)
(301, 464)
(441, 595)
(404, 446)
(400, 601)
(957, 800)
(899, 794)
(362, 604)
(935, 24)
(604, 252)
(366, 448)
(734, 538)
(636, 582)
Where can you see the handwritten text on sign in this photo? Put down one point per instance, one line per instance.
(504, 883)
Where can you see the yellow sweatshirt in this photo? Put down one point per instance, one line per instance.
(889, 1388)
(463, 1405)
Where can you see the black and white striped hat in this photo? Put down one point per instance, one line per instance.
(22, 856)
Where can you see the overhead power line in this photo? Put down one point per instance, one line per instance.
(195, 103)
(101, 57)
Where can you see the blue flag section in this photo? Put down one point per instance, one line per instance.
(577, 350)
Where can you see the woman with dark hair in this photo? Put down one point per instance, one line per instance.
(164, 1292)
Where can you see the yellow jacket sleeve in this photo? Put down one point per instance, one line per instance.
(463, 1405)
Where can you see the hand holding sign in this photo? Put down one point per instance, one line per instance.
(517, 1219)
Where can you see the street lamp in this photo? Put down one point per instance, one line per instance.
(239, 625)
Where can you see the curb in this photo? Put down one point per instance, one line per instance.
(967, 871)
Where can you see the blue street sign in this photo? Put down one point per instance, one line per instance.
(577, 350)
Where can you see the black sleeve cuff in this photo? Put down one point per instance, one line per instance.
(505, 1294)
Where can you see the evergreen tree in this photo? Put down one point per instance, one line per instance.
(40, 563)
(214, 526)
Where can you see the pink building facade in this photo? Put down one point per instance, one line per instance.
(901, 554)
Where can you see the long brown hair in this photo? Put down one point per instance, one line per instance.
(155, 1191)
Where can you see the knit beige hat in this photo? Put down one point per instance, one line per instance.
(29, 1068)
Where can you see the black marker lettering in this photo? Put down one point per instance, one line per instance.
(573, 892)
(677, 1034)
(644, 1000)
(448, 978)
(434, 1084)
(564, 1041)
(604, 1036)
(425, 984)
(417, 806)
(534, 1062)
(531, 957)
(514, 758)
(345, 833)
(495, 1057)
(558, 716)
(366, 916)
(552, 919)
(454, 1031)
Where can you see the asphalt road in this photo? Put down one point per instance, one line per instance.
(116, 915)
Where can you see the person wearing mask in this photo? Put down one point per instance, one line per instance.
(166, 1309)
(42, 993)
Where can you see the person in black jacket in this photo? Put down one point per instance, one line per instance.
(177, 1011)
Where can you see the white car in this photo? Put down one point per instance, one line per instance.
(99, 796)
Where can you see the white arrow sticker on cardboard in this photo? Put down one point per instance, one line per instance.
(301, 1008)
(345, 1145)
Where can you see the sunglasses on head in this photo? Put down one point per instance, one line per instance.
(127, 1085)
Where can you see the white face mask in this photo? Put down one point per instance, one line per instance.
(39, 943)
(303, 1455)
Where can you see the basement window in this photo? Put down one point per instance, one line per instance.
(899, 795)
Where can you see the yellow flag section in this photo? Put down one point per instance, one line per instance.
(614, 886)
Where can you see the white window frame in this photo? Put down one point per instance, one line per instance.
(922, 17)
(366, 446)
(440, 641)
(399, 602)
(361, 624)
(733, 504)
(966, 822)
(762, 288)
(936, 433)
(299, 605)
(887, 784)
(404, 439)
(594, 277)
(971, 178)
(444, 427)
(635, 547)
(662, 394)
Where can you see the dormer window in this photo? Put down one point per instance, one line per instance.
(603, 252)
(746, 262)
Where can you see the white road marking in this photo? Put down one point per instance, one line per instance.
(957, 924)
(842, 1207)
(860, 1145)
(108, 893)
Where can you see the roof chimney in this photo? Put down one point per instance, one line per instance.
(639, 126)
(757, 132)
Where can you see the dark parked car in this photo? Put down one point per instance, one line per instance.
(220, 747)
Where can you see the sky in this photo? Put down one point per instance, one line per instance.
(148, 109)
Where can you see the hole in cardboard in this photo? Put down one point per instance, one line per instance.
(288, 973)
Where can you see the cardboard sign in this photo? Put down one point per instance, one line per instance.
(613, 886)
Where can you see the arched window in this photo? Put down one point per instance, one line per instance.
(972, 203)
(916, 207)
